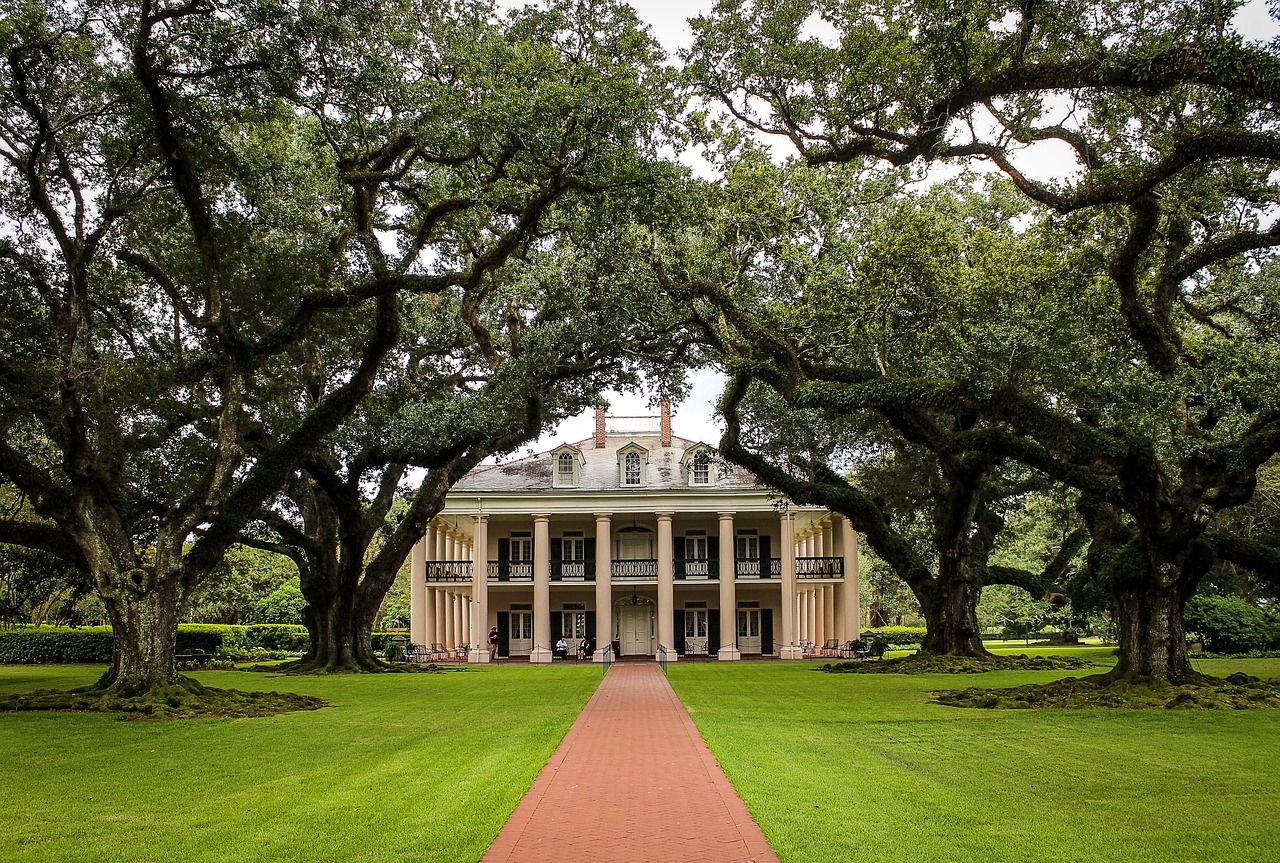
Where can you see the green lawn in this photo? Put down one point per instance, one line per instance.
(401, 767)
(856, 767)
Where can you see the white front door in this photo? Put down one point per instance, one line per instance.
(635, 630)
(521, 640)
(749, 630)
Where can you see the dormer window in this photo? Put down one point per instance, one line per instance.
(566, 466)
(702, 468)
(633, 459)
(696, 462)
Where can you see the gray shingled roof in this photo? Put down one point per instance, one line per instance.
(600, 471)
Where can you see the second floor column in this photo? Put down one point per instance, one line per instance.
(480, 591)
(789, 611)
(450, 621)
(666, 585)
(541, 652)
(728, 592)
(604, 585)
(418, 558)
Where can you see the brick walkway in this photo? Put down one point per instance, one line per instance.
(631, 782)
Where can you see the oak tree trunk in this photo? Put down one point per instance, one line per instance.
(1151, 635)
(145, 627)
(950, 611)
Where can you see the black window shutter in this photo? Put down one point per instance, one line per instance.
(713, 630)
(556, 549)
(766, 554)
(504, 633)
(678, 616)
(504, 549)
(589, 553)
(557, 628)
(766, 631)
(713, 548)
(591, 629)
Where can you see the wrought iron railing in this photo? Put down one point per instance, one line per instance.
(696, 568)
(662, 657)
(756, 567)
(634, 569)
(573, 570)
(606, 659)
(510, 570)
(448, 570)
(819, 567)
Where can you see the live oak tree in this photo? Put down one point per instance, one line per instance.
(830, 321)
(199, 194)
(1158, 127)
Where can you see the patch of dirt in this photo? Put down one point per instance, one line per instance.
(921, 663)
(1237, 692)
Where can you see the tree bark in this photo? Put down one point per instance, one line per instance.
(950, 612)
(1151, 635)
(145, 628)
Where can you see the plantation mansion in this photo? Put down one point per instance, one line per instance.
(634, 538)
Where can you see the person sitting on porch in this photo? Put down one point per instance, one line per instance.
(584, 648)
(562, 648)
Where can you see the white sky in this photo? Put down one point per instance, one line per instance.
(693, 417)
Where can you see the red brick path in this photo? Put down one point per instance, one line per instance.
(631, 782)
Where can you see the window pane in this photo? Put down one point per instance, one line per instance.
(633, 468)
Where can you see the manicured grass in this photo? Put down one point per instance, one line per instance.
(855, 767)
(401, 767)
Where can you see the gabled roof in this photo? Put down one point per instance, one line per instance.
(599, 471)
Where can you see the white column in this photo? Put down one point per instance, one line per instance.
(480, 591)
(604, 585)
(418, 592)
(450, 620)
(459, 618)
(828, 540)
(431, 634)
(850, 622)
(442, 616)
(829, 612)
(666, 586)
(788, 608)
(465, 638)
(728, 592)
(541, 589)
(449, 545)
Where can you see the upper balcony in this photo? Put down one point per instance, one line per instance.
(630, 571)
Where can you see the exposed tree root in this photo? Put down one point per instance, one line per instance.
(1237, 692)
(927, 663)
(182, 699)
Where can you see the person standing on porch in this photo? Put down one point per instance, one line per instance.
(493, 643)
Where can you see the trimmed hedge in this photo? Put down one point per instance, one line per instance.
(93, 643)
(899, 637)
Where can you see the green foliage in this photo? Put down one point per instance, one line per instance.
(1229, 624)
(246, 579)
(94, 644)
(899, 637)
(284, 605)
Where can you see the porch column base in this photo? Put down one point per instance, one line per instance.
(478, 655)
(792, 652)
(598, 656)
(729, 653)
(541, 656)
(672, 656)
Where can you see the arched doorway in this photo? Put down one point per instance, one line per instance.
(634, 626)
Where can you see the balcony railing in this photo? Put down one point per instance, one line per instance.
(819, 567)
(685, 569)
(696, 568)
(448, 570)
(643, 570)
(756, 567)
(510, 570)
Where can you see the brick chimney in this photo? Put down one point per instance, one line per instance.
(666, 422)
(599, 437)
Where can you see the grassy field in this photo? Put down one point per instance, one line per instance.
(401, 767)
(859, 768)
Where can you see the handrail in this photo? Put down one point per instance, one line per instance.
(606, 659)
(662, 657)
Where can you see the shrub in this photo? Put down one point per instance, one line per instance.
(56, 644)
(279, 636)
(1229, 624)
(283, 605)
(899, 637)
